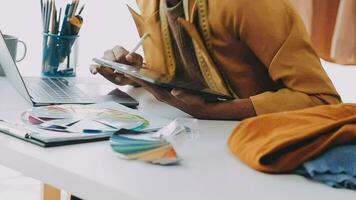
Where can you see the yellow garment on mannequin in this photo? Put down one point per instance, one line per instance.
(332, 25)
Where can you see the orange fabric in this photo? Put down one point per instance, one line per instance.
(278, 143)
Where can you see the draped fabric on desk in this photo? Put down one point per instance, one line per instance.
(332, 25)
(336, 167)
(279, 143)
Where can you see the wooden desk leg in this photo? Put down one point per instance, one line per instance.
(51, 193)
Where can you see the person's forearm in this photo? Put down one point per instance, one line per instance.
(232, 110)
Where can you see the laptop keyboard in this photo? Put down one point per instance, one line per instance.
(55, 90)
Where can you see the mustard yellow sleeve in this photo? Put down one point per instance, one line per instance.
(275, 33)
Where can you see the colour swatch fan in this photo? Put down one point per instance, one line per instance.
(82, 119)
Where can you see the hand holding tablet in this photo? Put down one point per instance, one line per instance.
(161, 80)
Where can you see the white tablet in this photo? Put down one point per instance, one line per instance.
(161, 80)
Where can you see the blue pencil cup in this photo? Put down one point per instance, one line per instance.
(59, 56)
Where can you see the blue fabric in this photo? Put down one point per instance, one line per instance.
(336, 167)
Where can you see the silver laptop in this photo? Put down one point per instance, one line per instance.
(50, 91)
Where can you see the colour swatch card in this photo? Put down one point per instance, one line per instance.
(144, 148)
(83, 119)
(90, 119)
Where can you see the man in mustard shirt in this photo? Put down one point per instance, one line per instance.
(257, 51)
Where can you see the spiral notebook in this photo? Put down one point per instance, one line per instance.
(45, 138)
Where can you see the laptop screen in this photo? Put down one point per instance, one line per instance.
(11, 70)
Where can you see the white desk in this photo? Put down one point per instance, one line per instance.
(208, 171)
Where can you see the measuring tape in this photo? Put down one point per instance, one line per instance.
(167, 42)
(213, 77)
(204, 26)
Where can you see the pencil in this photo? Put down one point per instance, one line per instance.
(49, 12)
(70, 8)
(53, 18)
(42, 13)
(81, 10)
(75, 7)
(45, 17)
(59, 19)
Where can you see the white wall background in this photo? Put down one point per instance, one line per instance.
(106, 24)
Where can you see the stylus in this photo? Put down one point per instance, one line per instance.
(139, 43)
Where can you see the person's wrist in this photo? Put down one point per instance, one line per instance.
(208, 111)
(224, 110)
